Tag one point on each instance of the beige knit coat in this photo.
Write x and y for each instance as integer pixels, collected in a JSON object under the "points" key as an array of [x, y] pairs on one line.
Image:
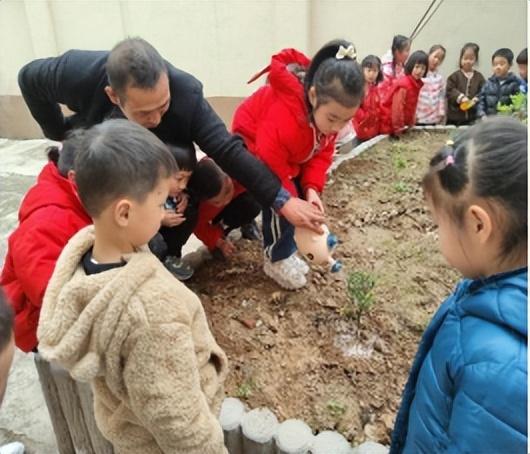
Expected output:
{"points": [[141, 338]]}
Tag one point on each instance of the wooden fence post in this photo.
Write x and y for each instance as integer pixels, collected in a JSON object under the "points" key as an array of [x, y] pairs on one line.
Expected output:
{"points": [[71, 409]]}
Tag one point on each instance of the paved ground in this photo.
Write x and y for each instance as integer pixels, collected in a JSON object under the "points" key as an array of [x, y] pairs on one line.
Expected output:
{"points": [[24, 416]]}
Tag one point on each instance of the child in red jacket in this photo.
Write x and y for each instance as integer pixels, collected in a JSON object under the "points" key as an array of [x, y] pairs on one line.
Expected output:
{"points": [[398, 108], [367, 118], [50, 214], [291, 124], [225, 205]]}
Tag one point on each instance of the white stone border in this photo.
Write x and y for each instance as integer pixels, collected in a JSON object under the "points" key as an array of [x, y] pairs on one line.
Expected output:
{"points": [[259, 432]]}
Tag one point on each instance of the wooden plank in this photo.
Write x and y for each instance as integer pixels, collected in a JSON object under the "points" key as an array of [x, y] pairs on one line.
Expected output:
{"points": [[51, 396], [100, 444], [73, 413]]}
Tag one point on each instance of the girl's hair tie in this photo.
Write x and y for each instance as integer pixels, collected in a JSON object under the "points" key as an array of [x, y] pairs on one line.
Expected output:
{"points": [[348, 52]]}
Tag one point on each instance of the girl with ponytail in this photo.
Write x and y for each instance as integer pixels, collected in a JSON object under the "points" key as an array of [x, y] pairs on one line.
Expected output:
{"points": [[291, 124]]}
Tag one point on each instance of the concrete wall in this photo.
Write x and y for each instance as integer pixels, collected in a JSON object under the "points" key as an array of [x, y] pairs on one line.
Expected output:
{"points": [[223, 42]]}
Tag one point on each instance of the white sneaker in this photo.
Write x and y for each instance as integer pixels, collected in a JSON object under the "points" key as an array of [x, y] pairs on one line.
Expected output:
{"points": [[12, 448], [285, 272], [300, 263]]}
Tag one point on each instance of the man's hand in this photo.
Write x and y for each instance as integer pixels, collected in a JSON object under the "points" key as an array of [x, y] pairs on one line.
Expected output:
{"points": [[172, 219], [314, 199], [302, 214], [226, 247]]}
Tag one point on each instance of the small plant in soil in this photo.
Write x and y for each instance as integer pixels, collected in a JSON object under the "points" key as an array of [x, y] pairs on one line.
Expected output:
{"points": [[336, 408], [401, 186], [400, 163], [244, 390], [359, 288]]}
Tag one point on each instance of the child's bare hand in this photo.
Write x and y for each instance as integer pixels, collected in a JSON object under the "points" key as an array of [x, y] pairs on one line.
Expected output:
{"points": [[226, 247], [314, 199], [183, 203], [172, 219]]}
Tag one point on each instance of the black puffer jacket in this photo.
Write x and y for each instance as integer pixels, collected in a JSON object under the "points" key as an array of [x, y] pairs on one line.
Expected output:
{"points": [[78, 79], [494, 91]]}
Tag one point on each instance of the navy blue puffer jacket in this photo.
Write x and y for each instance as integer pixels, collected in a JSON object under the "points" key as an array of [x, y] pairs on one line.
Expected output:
{"points": [[467, 389], [494, 91]]}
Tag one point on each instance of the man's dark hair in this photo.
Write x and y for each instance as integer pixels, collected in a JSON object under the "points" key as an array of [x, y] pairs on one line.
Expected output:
{"points": [[134, 62], [206, 180], [504, 53], [119, 158], [522, 58], [417, 58], [184, 155], [6, 321]]}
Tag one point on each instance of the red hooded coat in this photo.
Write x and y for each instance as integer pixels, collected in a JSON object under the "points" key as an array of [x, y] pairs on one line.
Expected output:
{"points": [[50, 214], [398, 108], [368, 116], [275, 124]]}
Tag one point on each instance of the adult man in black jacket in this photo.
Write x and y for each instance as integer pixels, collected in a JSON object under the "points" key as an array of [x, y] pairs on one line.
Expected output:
{"points": [[135, 82]]}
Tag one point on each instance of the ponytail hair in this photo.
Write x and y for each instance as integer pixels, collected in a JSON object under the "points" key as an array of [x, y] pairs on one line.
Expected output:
{"points": [[335, 77], [399, 44], [488, 161]]}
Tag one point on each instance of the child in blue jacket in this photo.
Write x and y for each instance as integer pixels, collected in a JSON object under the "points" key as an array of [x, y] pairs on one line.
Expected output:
{"points": [[467, 389]]}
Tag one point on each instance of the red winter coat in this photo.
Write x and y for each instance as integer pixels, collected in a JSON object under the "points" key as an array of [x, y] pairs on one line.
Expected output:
{"points": [[208, 233], [398, 108], [368, 116], [275, 124], [49, 216]]}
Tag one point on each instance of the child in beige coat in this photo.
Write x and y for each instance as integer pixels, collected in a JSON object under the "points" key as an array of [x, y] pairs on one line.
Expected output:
{"points": [[115, 317]]}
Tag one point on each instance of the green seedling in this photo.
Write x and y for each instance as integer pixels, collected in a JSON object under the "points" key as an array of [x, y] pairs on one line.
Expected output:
{"points": [[245, 389], [401, 186], [400, 163], [359, 289], [336, 408]]}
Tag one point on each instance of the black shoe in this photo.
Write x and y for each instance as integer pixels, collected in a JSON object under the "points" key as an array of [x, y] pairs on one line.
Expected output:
{"points": [[250, 231]]}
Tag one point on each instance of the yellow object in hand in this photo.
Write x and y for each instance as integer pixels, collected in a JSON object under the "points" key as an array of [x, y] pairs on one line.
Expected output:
{"points": [[466, 105]]}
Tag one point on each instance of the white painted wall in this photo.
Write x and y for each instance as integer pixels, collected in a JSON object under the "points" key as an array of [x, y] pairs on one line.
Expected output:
{"points": [[371, 24], [223, 42]]}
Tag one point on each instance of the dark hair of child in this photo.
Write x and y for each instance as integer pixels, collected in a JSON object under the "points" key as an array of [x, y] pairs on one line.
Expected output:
{"points": [[119, 158], [373, 62], [504, 53], [6, 321], [65, 157], [399, 44], [207, 179], [416, 58], [185, 156], [522, 58], [489, 161], [474, 47], [436, 47], [340, 80]]}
